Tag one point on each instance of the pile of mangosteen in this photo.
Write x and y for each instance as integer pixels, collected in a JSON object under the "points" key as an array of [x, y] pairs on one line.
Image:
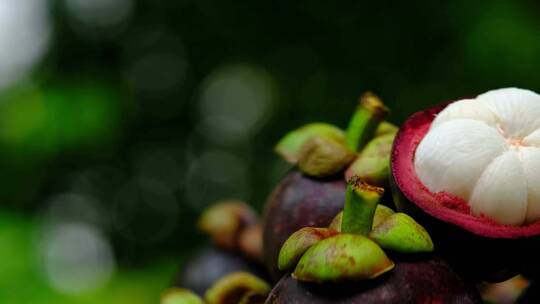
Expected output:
{"points": [[430, 212]]}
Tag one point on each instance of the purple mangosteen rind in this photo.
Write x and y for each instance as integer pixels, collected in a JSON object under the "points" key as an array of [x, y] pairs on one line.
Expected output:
{"points": [[478, 246], [423, 280]]}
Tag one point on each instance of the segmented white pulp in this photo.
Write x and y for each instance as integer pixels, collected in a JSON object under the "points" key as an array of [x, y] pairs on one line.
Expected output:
{"points": [[487, 152]]}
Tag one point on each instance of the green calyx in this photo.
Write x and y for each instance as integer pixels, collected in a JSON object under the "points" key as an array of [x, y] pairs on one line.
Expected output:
{"points": [[321, 156], [370, 112], [297, 244], [342, 257], [394, 231], [329, 254], [386, 128], [322, 150], [373, 163], [289, 146], [237, 287], [180, 296], [401, 233]]}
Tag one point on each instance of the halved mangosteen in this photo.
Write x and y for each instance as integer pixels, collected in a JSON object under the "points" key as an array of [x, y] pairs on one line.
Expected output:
{"points": [[469, 171]]}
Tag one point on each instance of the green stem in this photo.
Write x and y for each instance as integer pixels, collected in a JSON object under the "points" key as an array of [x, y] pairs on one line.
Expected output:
{"points": [[367, 116], [361, 200]]}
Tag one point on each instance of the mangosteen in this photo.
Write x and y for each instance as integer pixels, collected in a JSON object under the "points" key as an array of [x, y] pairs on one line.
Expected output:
{"points": [[367, 255], [211, 264], [314, 193], [468, 172], [423, 280]]}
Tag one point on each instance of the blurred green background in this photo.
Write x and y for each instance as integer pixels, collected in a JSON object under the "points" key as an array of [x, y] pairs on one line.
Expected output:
{"points": [[120, 120]]}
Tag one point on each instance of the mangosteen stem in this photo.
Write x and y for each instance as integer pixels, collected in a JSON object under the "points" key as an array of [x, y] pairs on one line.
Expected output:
{"points": [[370, 112], [361, 200]]}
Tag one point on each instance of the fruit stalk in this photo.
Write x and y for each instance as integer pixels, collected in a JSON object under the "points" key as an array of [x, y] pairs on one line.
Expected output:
{"points": [[365, 120], [361, 200]]}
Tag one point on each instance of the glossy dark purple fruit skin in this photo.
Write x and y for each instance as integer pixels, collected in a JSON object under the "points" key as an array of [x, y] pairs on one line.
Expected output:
{"points": [[298, 201], [211, 264], [421, 281]]}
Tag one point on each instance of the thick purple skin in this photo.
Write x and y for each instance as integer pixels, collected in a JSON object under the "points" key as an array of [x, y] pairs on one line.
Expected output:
{"points": [[298, 201], [475, 257], [209, 265], [426, 281]]}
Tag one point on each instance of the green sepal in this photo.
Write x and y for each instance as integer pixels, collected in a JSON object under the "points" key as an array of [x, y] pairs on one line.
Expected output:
{"points": [[290, 145], [298, 243], [386, 127], [234, 287], [342, 257], [381, 214], [373, 163], [321, 156], [401, 233]]}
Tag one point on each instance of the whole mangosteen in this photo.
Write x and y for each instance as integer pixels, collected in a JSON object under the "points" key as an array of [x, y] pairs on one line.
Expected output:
{"points": [[313, 194], [367, 255]]}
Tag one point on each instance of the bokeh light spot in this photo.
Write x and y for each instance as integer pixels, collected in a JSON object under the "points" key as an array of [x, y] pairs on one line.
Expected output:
{"points": [[161, 165], [99, 17], [145, 211], [25, 31], [77, 258], [158, 72], [216, 175], [235, 102]]}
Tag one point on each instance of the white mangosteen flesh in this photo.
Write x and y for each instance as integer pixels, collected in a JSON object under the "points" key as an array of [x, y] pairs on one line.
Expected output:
{"points": [[486, 151]]}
